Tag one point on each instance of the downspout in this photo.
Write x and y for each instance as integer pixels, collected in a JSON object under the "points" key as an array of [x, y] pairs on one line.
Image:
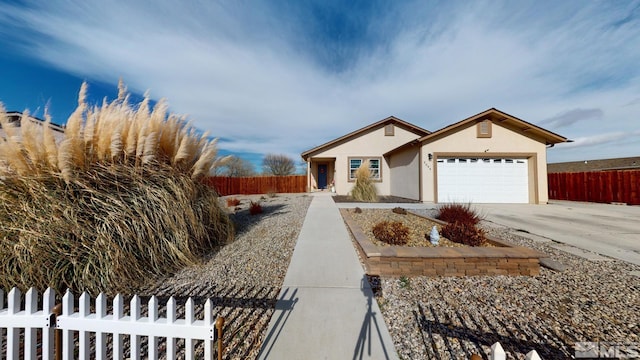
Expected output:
{"points": [[309, 174], [420, 173]]}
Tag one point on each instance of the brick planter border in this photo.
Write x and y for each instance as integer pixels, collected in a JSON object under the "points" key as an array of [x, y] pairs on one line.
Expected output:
{"points": [[504, 259]]}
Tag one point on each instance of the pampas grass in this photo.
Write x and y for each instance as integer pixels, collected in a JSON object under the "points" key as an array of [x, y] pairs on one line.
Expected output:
{"points": [[117, 201], [364, 188]]}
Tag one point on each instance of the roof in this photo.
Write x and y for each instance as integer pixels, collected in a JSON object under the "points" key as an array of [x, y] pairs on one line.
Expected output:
{"points": [[389, 120], [500, 117], [626, 163], [16, 117]]}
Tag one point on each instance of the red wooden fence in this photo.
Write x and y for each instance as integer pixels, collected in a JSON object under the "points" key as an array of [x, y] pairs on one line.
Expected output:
{"points": [[621, 186], [258, 184]]}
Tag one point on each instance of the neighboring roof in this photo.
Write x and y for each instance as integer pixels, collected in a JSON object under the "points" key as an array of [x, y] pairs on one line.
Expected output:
{"points": [[502, 118], [390, 120], [627, 163], [16, 116]]}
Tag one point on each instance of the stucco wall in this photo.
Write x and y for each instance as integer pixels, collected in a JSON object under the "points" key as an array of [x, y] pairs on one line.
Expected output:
{"points": [[405, 174], [372, 143], [502, 142]]}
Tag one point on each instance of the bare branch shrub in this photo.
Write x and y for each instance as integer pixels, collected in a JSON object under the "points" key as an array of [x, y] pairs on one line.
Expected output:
{"points": [[278, 164]]}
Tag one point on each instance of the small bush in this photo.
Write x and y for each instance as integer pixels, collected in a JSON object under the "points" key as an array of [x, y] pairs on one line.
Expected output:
{"points": [[463, 233], [357, 210], [461, 213], [231, 202], [391, 232], [364, 188], [399, 210], [272, 193], [255, 208], [405, 283]]}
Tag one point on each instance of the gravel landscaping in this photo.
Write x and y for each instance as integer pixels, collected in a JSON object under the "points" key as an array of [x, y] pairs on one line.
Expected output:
{"points": [[453, 317], [428, 318], [418, 227], [243, 278]]}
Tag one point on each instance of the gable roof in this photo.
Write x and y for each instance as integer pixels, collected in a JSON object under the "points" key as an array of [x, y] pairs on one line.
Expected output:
{"points": [[500, 117], [389, 120], [16, 118]]}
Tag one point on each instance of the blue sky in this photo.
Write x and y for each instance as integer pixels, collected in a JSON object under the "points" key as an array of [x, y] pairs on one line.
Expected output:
{"points": [[285, 76]]}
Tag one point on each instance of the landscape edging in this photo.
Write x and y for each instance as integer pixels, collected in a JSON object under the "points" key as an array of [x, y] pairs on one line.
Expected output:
{"points": [[504, 259]]}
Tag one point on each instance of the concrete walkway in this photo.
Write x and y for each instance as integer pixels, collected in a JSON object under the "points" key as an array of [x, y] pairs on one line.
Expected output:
{"points": [[326, 308]]}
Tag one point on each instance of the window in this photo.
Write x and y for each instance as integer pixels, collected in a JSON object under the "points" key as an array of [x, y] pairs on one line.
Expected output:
{"points": [[388, 130], [374, 167], [354, 164], [484, 129]]}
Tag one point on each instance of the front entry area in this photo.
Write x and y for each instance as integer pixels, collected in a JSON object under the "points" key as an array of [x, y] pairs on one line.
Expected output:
{"points": [[320, 173], [322, 176], [479, 180]]}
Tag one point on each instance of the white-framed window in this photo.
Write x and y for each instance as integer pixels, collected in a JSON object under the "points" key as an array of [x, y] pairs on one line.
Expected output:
{"points": [[374, 167], [354, 164]]}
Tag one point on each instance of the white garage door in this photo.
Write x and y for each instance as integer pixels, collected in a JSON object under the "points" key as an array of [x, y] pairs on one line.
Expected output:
{"points": [[483, 180]]}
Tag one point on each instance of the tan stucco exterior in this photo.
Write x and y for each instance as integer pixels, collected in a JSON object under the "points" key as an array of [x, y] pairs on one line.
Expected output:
{"points": [[370, 143], [405, 172], [503, 143], [408, 161]]}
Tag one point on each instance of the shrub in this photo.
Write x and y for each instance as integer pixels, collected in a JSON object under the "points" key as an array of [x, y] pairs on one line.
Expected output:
{"points": [[391, 232], [399, 210], [357, 210], [255, 208], [364, 189], [405, 283], [118, 200], [231, 202], [463, 233], [462, 213]]}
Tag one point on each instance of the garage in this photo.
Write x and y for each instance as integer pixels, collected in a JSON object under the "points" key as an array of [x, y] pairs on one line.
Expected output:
{"points": [[483, 180]]}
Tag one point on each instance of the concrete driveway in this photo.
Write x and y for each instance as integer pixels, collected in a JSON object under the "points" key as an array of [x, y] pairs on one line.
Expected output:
{"points": [[609, 230]]}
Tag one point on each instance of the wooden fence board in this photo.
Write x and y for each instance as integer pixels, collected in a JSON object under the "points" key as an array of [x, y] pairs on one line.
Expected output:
{"points": [[258, 184], [621, 186]]}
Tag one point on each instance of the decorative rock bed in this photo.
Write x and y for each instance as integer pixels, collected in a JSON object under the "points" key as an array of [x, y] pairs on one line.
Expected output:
{"points": [[501, 259]]}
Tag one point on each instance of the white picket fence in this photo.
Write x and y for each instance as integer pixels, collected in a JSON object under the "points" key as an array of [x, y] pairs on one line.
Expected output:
{"points": [[40, 324], [498, 353]]}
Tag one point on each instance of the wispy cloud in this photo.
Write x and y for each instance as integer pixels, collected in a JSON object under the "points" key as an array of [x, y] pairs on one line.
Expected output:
{"points": [[572, 116], [287, 77], [633, 102], [602, 139]]}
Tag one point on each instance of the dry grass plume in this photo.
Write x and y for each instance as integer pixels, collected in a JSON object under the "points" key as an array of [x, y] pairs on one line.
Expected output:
{"points": [[364, 189], [117, 200]]}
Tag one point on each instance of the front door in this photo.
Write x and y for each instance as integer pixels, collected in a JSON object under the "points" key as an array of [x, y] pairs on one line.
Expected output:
{"points": [[322, 176]]}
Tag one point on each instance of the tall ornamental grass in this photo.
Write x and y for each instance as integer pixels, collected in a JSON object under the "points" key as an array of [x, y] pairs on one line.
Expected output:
{"points": [[364, 189], [118, 200]]}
